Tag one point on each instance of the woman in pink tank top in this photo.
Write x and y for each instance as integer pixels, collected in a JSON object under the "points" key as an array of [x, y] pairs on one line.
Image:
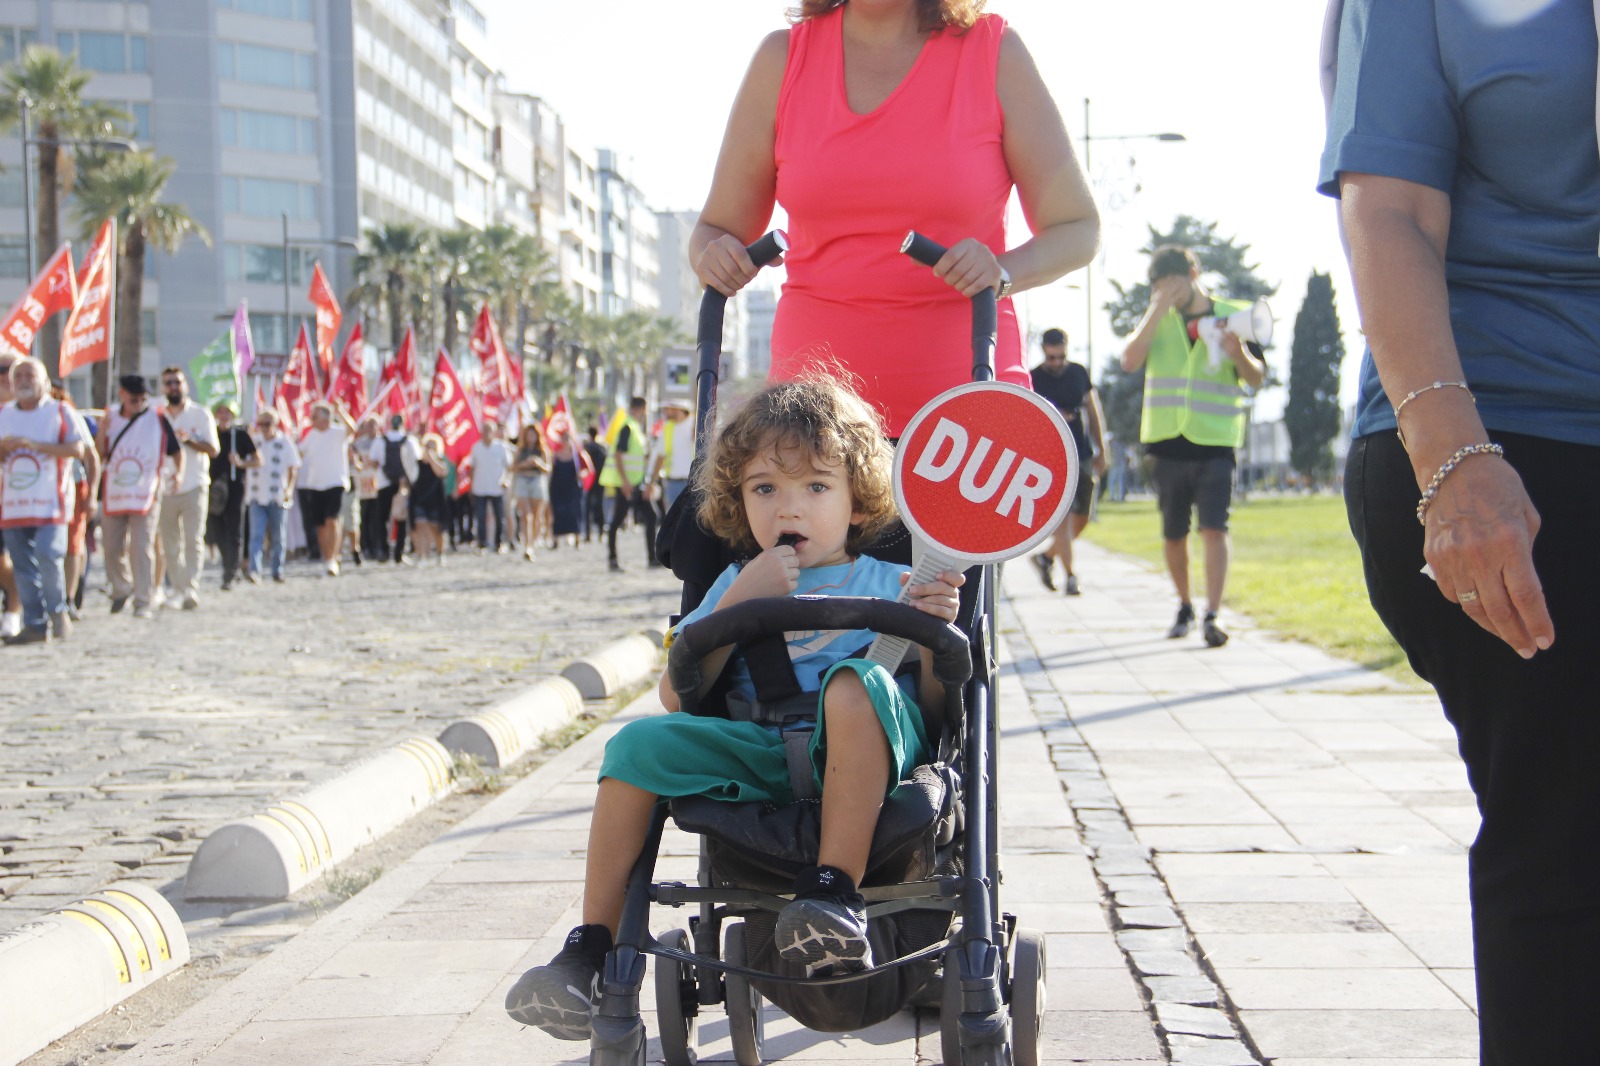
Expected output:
{"points": [[869, 118]]}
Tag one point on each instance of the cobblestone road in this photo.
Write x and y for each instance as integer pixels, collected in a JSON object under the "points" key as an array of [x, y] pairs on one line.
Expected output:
{"points": [[122, 749]]}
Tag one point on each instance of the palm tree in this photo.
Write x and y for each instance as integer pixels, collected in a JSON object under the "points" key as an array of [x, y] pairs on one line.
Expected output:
{"points": [[129, 188], [455, 252], [391, 271], [520, 272], [53, 85]]}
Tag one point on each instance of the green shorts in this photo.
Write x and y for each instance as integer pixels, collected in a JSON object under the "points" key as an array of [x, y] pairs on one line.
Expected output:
{"points": [[740, 762]]}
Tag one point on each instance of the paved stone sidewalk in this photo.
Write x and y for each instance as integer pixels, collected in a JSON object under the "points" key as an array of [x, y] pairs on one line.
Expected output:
{"points": [[415, 969], [1306, 821], [121, 749]]}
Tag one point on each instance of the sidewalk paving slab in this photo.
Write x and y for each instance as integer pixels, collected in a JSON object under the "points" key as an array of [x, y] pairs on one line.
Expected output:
{"points": [[1282, 833]]}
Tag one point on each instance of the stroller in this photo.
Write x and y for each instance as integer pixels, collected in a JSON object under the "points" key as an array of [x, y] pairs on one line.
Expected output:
{"points": [[932, 882]]}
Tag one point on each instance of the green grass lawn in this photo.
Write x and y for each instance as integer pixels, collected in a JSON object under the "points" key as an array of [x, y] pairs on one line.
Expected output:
{"points": [[1295, 570]]}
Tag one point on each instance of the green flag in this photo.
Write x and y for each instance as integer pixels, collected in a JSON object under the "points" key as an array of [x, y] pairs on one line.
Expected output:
{"points": [[215, 373]]}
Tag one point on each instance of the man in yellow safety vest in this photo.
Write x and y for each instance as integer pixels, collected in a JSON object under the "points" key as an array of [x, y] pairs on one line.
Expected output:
{"points": [[625, 474], [1196, 376]]}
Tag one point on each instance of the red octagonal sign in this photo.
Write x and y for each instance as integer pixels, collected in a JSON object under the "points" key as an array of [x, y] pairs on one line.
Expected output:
{"points": [[985, 471]]}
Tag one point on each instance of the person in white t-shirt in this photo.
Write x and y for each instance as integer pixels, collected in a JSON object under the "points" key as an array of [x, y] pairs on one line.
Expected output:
{"points": [[268, 488], [183, 507], [39, 438], [491, 471], [325, 478]]}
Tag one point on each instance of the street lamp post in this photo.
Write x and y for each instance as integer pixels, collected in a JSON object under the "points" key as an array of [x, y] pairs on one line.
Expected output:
{"points": [[1088, 270], [288, 307], [24, 114]]}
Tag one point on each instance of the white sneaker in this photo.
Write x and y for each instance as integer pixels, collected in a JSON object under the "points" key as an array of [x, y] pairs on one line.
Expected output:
{"points": [[10, 623], [333, 568]]}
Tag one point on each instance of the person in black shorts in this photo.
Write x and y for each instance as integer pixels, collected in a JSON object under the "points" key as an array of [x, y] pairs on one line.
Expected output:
{"points": [[1196, 376], [1067, 386]]}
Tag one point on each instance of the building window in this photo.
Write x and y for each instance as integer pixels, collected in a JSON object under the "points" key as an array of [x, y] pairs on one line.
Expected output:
{"points": [[264, 263], [260, 65], [269, 198], [267, 333], [107, 53], [13, 257], [298, 10], [147, 327], [267, 131]]}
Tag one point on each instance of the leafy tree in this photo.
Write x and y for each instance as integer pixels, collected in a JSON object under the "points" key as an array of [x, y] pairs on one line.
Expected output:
{"points": [[129, 188], [53, 85], [1121, 399], [1223, 268], [1312, 413]]}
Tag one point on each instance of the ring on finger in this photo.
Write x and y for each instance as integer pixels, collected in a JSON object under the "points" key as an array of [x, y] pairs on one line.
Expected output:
{"points": [[1469, 596]]}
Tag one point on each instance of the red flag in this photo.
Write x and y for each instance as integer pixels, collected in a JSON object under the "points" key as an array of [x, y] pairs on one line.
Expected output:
{"points": [[348, 385], [560, 425], [501, 379], [329, 315], [297, 389], [55, 289], [449, 414], [402, 370], [87, 336]]}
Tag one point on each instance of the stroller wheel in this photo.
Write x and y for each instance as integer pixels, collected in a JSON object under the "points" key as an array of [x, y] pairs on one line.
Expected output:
{"points": [[676, 1002], [1027, 995], [743, 1001]]}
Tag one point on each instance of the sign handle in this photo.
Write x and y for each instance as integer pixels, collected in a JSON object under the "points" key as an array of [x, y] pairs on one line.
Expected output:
{"points": [[888, 651]]}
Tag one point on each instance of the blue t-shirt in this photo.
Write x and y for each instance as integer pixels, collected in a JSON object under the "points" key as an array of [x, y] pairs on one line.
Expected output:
{"points": [[812, 652], [1498, 111]]}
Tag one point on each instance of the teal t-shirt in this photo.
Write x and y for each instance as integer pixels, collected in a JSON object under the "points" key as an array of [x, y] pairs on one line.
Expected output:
{"points": [[812, 652]]}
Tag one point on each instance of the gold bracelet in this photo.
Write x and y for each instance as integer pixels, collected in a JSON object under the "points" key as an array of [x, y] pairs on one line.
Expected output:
{"points": [[1414, 393], [1444, 471]]}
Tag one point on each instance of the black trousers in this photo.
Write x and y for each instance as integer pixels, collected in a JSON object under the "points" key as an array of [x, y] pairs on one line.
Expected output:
{"points": [[374, 531], [226, 530], [594, 511], [1529, 732], [643, 512], [385, 502]]}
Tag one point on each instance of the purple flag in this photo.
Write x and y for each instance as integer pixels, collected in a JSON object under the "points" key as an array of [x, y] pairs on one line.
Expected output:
{"points": [[243, 350]]}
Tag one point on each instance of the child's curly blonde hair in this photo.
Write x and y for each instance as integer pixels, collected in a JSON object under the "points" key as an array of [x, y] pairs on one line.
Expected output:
{"points": [[814, 416]]}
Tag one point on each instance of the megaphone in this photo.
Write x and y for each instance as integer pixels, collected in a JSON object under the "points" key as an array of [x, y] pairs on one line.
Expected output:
{"points": [[1254, 323]]}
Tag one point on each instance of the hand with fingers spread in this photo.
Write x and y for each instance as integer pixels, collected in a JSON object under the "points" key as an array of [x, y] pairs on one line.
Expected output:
{"points": [[1479, 545]]}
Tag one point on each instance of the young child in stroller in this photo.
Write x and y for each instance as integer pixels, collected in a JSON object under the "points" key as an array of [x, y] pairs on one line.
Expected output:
{"points": [[797, 479]]}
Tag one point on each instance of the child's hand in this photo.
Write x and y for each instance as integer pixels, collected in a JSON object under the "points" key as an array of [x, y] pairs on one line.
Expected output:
{"points": [[775, 572], [938, 598]]}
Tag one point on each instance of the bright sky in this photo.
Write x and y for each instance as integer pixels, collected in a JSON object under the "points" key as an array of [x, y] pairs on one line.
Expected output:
{"points": [[654, 82]]}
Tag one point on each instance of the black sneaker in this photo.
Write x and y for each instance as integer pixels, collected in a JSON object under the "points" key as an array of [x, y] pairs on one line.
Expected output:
{"points": [[559, 996], [826, 925], [1215, 637], [614, 566], [1180, 627], [1045, 564], [1072, 585], [118, 603]]}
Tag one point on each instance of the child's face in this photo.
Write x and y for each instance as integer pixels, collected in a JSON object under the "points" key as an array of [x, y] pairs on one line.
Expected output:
{"points": [[795, 492]]}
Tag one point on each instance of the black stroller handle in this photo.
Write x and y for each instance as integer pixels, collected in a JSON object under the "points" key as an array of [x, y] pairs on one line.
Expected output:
{"points": [[708, 335], [752, 619], [985, 307]]}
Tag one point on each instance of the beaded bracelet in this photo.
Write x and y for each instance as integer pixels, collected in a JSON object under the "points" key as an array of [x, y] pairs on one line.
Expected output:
{"points": [[1444, 472], [1414, 393]]}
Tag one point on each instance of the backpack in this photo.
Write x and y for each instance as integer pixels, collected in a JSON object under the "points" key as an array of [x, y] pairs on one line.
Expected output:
{"points": [[393, 468]]}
